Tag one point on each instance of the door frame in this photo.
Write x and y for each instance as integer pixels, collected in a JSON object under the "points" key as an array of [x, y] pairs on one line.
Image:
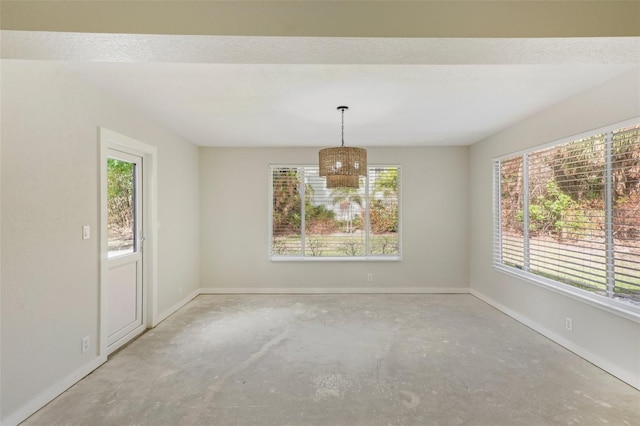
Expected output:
{"points": [[149, 154]]}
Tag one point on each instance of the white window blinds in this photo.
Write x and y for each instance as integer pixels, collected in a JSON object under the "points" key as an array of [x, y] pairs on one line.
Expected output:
{"points": [[570, 213], [309, 221], [625, 215]]}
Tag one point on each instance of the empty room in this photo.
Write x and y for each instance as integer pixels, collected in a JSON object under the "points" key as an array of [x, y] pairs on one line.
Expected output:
{"points": [[320, 212]]}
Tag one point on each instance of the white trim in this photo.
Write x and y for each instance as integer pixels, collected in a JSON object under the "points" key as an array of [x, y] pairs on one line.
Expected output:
{"points": [[52, 392], [112, 140], [334, 290], [624, 375], [174, 308], [627, 312], [129, 337], [526, 219], [104, 252], [302, 258], [312, 290], [284, 258]]}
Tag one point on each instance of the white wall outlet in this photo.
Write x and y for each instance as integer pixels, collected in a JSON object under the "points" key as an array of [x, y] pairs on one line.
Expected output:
{"points": [[568, 324], [369, 277], [86, 343], [86, 232]]}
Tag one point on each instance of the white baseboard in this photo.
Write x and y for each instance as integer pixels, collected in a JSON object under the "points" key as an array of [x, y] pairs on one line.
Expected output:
{"points": [[607, 366], [55, 390], [172, 309], [332, 290], [52, 392]]}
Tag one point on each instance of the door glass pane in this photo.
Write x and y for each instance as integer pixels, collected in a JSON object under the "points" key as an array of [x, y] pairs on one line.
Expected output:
{"points": [[121, 224]]}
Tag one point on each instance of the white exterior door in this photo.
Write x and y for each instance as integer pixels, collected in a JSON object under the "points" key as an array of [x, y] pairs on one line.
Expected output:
{"points": [[125, 243]]}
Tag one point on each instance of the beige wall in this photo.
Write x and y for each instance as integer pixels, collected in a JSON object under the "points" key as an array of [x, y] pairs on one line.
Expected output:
{"points": [[475, 18], [234, 187], [608, 340], [50, 188]]}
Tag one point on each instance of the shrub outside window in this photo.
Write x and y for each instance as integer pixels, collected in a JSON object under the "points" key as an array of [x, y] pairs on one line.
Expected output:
{"points": [[309, 221]]}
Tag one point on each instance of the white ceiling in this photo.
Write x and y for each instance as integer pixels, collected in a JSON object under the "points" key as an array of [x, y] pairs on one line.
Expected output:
{"points": [[283, 91]]}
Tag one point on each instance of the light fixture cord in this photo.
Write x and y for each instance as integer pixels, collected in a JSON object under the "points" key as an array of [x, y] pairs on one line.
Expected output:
{"points": [[342, 109]]}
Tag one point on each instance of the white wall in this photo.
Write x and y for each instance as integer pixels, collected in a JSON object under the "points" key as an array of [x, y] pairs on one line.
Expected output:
{"points": [[234, 188], [50, 188], [608, 340]]}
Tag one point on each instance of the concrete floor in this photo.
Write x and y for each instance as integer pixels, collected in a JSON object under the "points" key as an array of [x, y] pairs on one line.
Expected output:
{"points": [[343, 360]]}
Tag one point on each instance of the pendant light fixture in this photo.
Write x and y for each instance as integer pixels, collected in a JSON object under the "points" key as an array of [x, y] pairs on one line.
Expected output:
{"points": [[343, 166]]}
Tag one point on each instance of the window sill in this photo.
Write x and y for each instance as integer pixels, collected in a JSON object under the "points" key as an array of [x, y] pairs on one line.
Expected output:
{"points": [[335, 259], [622, 309]]}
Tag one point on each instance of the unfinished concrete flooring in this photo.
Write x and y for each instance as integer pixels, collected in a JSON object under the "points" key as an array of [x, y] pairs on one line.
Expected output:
{"points": [[343, 360]]}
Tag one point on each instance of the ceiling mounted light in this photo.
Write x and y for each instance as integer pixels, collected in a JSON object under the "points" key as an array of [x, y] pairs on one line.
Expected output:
{"points": [[343, 165]]}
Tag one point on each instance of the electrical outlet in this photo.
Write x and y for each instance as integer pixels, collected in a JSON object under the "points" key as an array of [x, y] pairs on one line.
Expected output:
{"points": [[568, 324], [86, 232], [370, 277], [86, 343]]}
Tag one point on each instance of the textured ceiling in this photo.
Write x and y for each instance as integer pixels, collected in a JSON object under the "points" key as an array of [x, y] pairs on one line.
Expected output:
{"points": [[283, 91]]}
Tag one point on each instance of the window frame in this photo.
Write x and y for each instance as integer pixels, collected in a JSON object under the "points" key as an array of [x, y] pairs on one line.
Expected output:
{"points": [[626, 310], [303, 258]]}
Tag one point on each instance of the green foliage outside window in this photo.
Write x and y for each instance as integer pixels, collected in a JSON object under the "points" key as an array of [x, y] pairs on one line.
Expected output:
{"points": [[120, 196]]}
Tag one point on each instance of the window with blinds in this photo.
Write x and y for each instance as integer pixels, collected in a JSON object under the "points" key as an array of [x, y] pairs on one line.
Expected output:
{"points": [[310, 221], [570, 213]]}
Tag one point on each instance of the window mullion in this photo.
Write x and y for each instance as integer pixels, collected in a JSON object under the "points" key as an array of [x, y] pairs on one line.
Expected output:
{"points": [[367, 226], [609, 243], [271, 207], [302, 210], [525, 213]]}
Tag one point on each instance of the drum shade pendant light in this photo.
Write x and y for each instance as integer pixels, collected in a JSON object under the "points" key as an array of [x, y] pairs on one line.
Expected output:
{"points": [[343, 166]]}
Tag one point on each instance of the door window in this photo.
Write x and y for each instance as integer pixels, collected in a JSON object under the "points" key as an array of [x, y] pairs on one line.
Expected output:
{"points": [[121, 207]]}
